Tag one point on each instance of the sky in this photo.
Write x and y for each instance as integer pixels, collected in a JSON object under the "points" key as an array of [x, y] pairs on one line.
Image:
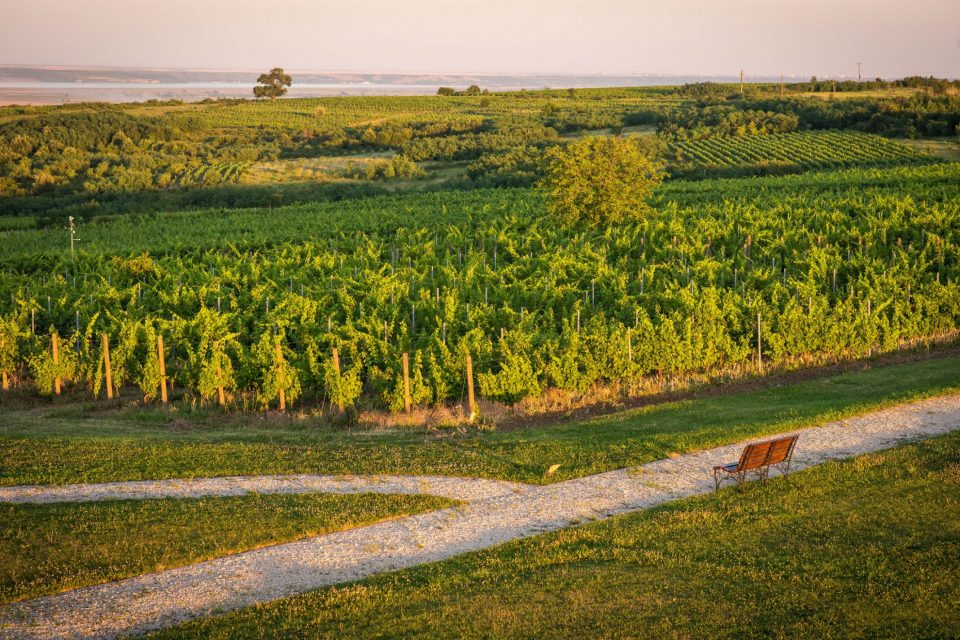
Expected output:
{"points": [[796, 38]]}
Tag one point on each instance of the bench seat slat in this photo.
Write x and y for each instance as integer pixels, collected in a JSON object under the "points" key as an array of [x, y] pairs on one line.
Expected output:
{"points": [[727, 467]]}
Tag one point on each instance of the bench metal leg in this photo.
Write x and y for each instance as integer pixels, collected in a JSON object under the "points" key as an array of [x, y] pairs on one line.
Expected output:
{"points": [[784, 467]]}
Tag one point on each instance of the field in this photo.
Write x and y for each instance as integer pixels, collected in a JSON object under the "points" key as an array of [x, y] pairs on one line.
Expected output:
{"points": [[324, 286], [92, 160], [794, 152], [537, 306], [947, 149], [53, 548], [865, 547]]}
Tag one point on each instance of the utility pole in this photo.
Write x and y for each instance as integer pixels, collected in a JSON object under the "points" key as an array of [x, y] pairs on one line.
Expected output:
{"points": [[859, 75], [741, 81]]}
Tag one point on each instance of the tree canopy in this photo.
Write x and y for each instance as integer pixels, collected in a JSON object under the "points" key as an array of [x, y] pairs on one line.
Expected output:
{"points": [[599, 180], [273, 84]]}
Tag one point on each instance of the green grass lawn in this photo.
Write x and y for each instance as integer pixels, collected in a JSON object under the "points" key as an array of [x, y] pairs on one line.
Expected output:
{"points": [[865, 548], [84, 443], [53, 547], [945, 148]]}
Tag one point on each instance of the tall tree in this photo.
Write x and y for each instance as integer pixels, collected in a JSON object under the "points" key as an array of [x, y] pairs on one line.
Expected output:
{"points": [[599, 180], [272, 85]]}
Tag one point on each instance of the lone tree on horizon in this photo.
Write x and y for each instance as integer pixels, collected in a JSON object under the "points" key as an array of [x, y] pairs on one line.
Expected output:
{"points": [[272, 85]]}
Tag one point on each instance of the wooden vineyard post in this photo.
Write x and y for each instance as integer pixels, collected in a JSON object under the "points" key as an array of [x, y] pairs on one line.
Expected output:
{"points": [[759, 351], [163, 369], [221, 397], [55, 345], [336, 367], [283, 393], [471, 402], [6, 380], [406, 382], [107, 370]]}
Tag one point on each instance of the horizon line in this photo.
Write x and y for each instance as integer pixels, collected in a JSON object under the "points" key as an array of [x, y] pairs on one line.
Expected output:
{"points": [[292, 70]]}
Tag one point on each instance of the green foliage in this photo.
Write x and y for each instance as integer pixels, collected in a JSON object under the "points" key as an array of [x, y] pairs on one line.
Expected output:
{"points": [[787, 153], [343, 387], [208, 343], [12, 334], [574, 367], [519, 167], [701, 121], [390, 134], [274, 375], [45, 371], [133, 355], [516, 378], [399, 166], [599, 180], [144, 360], [272, 84], [90, 365], [86, 160], [420, 392], [838, 264]]}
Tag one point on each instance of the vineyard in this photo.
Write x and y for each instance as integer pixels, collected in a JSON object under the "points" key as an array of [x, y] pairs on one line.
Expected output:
{"points": [[792, 152], [320, 302], [414, 111], [116, 159], [213, 174]]}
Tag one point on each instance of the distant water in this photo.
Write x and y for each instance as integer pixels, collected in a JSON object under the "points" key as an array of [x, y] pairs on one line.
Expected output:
{"points": [[24, 91], [66, 92]]}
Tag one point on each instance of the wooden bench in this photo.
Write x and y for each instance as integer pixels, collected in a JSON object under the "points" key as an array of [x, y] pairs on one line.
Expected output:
{"points": [[757, 458]]}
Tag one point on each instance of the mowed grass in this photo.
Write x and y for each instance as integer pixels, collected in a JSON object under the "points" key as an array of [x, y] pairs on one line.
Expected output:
{"points": [[84, 443], [48, 548], [865, 548], [323, 168], [945, 148]]}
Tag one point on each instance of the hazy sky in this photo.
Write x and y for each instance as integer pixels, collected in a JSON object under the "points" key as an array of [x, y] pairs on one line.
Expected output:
{"points": [[703, 37]]}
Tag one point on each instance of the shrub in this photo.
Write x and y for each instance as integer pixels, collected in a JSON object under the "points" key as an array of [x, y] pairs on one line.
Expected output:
{"points": [[599, 180]]}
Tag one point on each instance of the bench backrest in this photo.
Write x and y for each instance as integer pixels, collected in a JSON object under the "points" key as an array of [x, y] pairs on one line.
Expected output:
{"points": [[761, 454]]}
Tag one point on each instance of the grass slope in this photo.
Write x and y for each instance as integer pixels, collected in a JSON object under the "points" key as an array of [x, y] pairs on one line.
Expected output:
{"points": [[866, 548], [83, 443], [54, 547]]}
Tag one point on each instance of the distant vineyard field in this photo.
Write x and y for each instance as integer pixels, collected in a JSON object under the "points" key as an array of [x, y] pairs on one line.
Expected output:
{"points": [[213, 174], [791, 152]]}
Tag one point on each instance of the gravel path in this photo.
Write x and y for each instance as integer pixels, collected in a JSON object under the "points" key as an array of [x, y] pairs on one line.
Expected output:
{"points": [[161, 599], [463, 489]]}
